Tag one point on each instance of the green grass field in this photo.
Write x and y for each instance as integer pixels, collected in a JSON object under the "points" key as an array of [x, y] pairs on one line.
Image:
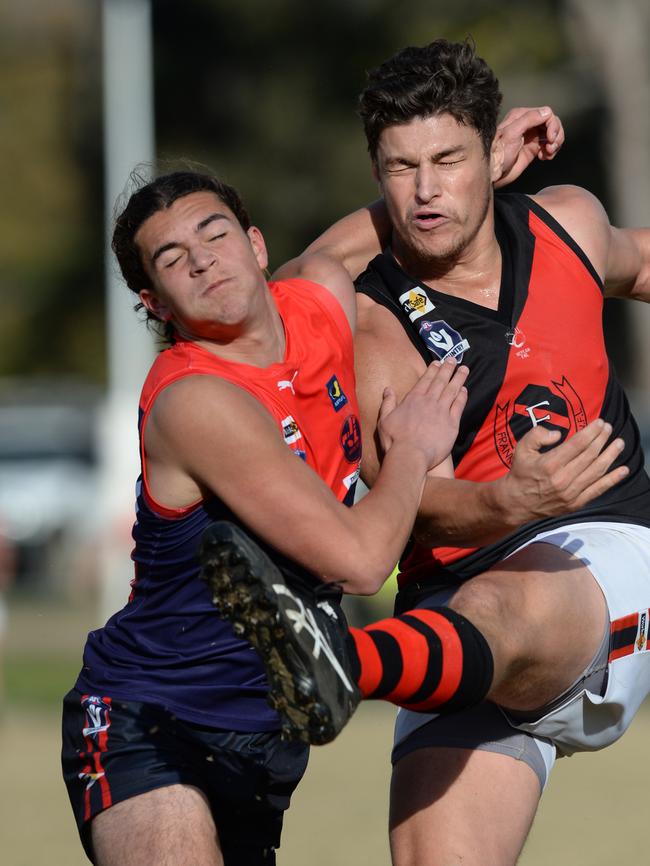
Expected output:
{"points": [[593, 812]]}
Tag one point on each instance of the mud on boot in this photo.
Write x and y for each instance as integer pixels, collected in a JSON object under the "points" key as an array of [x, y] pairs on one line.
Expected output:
{"points": [[298, 629]]}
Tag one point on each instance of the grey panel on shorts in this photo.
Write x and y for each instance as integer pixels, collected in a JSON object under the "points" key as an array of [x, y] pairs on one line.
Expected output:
{"points": [[481, 727]]}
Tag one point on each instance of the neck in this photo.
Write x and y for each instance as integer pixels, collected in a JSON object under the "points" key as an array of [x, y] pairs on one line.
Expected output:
{"points": [[473, 272], [258, 339]]}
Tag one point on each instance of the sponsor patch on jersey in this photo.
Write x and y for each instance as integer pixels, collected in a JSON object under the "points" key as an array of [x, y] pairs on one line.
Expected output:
{"points": [[416, 303], [335, 393], [442, 340], [557, 407], [349, 480], [290, 430], [302, 454], [351, 439]]}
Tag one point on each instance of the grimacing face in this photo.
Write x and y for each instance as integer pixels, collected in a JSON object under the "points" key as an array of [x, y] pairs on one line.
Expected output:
{"points": [[205, 270], [437, 184]]}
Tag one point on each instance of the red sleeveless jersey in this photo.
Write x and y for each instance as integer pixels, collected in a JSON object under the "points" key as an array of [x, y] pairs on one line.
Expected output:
{"points": [[538, 359], [167, 646]]}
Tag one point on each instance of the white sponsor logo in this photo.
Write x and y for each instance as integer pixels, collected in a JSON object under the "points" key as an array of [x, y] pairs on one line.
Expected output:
{"points": [[350, 479], [304, 619], [285, 384], [290, 430]]}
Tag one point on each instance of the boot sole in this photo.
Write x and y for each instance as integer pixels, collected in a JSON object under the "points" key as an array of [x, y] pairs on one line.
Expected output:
{"points": [[240, 595]]}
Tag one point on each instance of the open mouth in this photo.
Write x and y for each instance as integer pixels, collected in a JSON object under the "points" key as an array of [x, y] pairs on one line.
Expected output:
{"points": [[429, 220]]}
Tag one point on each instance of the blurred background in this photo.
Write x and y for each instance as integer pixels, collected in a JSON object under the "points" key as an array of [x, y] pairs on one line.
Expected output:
{"points": [[264, 93]]}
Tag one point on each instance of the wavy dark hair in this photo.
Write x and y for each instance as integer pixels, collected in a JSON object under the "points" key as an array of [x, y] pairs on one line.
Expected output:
{"points": [[149, 197], [440, 78]]}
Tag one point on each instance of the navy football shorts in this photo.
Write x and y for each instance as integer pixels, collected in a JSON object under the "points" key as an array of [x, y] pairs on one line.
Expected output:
{"points": [[114, 749]]}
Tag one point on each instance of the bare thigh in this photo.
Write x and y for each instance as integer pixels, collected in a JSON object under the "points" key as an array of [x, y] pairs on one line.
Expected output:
{"points": [[543, 615], [444, 811], [170, 826]]}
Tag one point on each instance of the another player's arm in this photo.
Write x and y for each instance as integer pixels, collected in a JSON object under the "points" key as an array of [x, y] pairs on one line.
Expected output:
{"points": [[465, 513], [206, 436]]}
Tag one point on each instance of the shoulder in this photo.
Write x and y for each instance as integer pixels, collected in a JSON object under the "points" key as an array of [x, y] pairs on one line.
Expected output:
{"points": [[384, 351], [198, 401], [583, 217], [326, 271]]}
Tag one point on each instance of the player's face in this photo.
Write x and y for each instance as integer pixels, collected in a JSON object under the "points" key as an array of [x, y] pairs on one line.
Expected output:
{"points": [[206, 271], [437, 185]]}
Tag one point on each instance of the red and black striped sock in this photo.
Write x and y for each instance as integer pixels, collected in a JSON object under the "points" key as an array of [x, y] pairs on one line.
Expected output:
{"points": [[423, 660]]}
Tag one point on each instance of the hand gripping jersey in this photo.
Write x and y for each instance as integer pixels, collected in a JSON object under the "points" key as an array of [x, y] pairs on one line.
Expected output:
{"points": [[167, 646], [538, 359]]}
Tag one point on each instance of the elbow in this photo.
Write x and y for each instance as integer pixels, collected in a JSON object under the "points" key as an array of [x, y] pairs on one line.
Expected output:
{"points": [[367, 579]]}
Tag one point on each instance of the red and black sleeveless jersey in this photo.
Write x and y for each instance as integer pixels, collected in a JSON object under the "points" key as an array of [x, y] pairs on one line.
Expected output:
{"points": [[538, 359], [167, 646]]}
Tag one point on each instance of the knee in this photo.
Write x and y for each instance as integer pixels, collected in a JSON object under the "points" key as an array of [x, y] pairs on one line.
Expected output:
{"points": [[498, 613]]}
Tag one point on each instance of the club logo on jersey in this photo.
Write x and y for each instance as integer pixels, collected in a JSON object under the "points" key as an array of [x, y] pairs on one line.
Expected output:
{"points": [[351, 439], [290, 430], [98, 717], [558, 407], [416, 303], [335, 393], [442, 340]]}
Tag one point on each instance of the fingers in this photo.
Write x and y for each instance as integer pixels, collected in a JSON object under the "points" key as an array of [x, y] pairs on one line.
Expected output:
{"points": [[581, 465], [438, 378], [388, 403], [541, 124], [540, 437]]}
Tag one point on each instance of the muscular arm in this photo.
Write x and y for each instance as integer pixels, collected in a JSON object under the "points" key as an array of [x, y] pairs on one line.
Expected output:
{"points": [[464, 513], [206, 436], [620, 256]]}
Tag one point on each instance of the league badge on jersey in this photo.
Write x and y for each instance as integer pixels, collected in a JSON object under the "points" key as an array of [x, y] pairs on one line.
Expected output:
{"points": [[416, 303], [335, 393], [442, 340], [557, 407], [351, 439], [290, 430]]}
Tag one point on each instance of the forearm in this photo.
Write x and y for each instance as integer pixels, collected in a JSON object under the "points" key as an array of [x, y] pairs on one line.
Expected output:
{"points": [[380, 524], [460, 513]]}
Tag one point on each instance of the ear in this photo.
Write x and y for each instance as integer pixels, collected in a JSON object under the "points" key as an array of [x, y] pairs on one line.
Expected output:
{"points": [[497, 155], [259, 246], [155, 306]]}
